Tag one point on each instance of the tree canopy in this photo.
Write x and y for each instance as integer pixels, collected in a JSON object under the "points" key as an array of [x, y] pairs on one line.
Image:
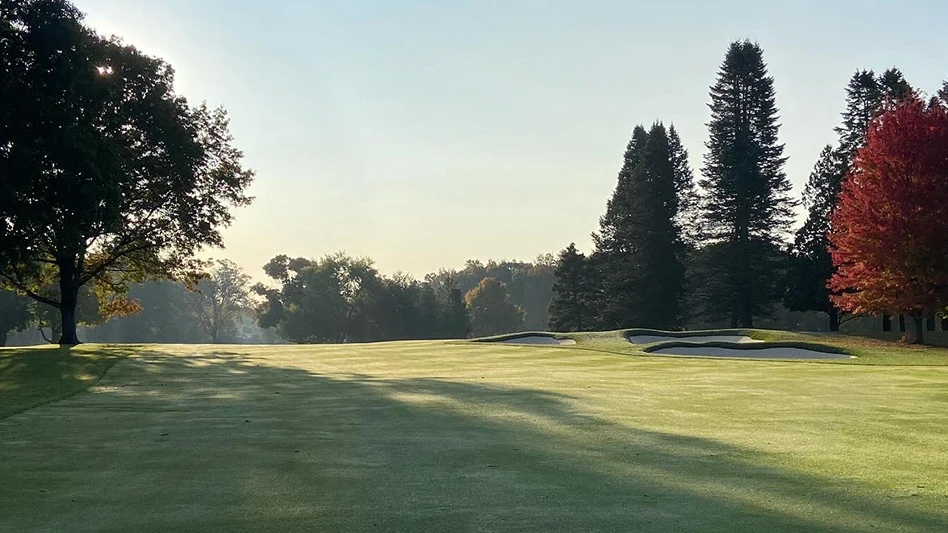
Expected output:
{"points": [[491, 311], [109, 176], [888, 233]]}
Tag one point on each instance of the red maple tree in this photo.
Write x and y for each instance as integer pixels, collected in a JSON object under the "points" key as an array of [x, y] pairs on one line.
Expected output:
{"points": [[889, 237]]}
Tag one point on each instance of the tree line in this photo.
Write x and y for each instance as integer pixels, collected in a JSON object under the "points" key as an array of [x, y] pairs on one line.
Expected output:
{"points": [[335, 299], [669, 254]]}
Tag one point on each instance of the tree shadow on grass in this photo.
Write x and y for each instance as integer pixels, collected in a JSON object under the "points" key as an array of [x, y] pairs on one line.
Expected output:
{"points": [[218, 442]]}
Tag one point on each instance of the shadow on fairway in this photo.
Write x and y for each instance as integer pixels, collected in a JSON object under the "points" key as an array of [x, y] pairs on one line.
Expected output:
{"points": [[226, 443]]}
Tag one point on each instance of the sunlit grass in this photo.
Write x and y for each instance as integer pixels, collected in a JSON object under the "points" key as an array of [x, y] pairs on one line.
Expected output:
{"points": [[460, 436]]}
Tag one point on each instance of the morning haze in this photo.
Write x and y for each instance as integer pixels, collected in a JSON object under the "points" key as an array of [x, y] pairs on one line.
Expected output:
{"points": [[423, 134]]}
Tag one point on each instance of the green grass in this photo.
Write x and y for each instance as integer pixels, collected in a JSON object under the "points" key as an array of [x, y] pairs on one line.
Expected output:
{"points": [[460, 436], [30, 377]]}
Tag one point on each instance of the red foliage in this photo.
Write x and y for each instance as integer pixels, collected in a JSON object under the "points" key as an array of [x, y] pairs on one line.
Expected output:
{"points": [[889, 237]]}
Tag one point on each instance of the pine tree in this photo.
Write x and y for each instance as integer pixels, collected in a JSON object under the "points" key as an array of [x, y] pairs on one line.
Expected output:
{"points": [[863, 98], [612, 246], [810, 264], [893, 85], [746, 208], [640, 245], [685, 192], [943, 92], [573, 305]]}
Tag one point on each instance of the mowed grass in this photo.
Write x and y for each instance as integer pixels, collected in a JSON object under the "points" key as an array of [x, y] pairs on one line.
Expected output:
{"points": [[459, 436]]}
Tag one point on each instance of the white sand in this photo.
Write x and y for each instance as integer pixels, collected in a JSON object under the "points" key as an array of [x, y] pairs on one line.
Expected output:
{"points": [[648, 339], [755, 353], [539, 339]]}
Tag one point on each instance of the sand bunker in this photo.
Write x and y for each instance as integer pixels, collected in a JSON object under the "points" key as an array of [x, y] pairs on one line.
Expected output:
{"points": [[539, 339], [754, 353], [649, 339]]}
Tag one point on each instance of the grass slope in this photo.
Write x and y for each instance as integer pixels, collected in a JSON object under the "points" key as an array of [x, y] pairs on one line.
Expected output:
{"points": [[442, 436]]}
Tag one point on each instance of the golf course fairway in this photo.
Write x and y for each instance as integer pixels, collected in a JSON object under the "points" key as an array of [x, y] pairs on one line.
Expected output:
{"points": [[459, 436]]}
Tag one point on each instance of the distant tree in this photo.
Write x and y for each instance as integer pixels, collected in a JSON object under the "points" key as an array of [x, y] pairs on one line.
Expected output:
{"points": [[166, 316], [220, 299], [574, 294], [888, 233], [309, 307], [811, 265], [746, 208], [943, 92], [14, 314], [454, 318], [530, 285], [109, 177], [491, 311]]}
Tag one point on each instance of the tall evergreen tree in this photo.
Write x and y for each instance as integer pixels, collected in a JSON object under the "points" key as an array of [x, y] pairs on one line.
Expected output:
{"points": [[640, 244], [894, 86], [863, 98], [943, 92], [573, 306], [746, 207], [810, 262], [686, 194]]}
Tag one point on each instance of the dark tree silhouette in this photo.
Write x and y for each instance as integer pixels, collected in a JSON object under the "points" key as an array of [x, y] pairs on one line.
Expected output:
{"points": [[573, 307], [109, 176], [746, 209]]}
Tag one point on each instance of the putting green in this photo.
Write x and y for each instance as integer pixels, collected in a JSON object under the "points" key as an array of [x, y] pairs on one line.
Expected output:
{"points": [[457, 436]]}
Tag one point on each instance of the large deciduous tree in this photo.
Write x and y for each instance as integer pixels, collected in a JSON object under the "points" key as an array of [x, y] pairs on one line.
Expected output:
{"points": [[888, 232], [746, 208], [106, 175]]}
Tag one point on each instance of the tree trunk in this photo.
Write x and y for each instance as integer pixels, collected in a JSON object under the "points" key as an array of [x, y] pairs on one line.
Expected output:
{"points": [[834, 319], [886, 322], [3, 338], [919, 330], [902, 322], [69, 299]]}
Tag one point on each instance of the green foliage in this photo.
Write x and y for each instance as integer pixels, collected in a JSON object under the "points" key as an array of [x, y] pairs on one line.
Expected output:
{"points": [[491, 311], [530, 284], [109, 176], [220, 299], [746, 208], [810, 265], [344, 299], [575, 293], [14, 314], [639, 249]]}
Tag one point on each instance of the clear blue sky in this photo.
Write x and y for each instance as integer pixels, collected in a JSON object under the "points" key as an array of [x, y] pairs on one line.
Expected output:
{"points": [[424, 133]]}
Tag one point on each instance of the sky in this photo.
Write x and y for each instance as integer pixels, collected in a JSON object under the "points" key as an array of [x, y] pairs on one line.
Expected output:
{"points": [[425, 133]]}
